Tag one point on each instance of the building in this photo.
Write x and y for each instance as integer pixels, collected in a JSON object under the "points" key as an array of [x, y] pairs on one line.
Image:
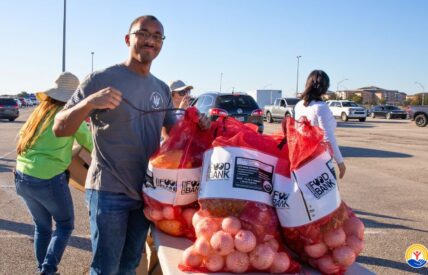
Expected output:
{"points": [[416, 98], [330, 95], [265, 97], [373, 95]]}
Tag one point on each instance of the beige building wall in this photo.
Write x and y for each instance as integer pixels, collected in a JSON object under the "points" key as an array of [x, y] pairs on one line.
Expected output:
{"points": [[373, 95]]}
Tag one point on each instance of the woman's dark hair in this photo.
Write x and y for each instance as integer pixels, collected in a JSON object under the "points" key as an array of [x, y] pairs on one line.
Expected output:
{"points": [[316, 85]]}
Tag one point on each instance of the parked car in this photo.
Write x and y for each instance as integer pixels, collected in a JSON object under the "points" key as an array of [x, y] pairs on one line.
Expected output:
{"points": [[29, 101], [346, 109], [24, 102], [8, 108], [419, 114], [33, 99], [238, 105], [282, 107], [388, 112], [18, 102]]}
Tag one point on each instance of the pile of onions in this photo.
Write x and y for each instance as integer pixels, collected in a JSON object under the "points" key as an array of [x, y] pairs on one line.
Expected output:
{"points": [[222, 244], [338, 248]]}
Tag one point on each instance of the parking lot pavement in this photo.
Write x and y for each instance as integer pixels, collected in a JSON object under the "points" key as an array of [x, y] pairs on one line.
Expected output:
{"points": [[16, 228], [386, 185]]}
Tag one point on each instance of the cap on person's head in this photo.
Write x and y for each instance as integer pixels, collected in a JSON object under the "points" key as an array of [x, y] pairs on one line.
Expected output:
{"points": [[178, 85], [66, 84]]}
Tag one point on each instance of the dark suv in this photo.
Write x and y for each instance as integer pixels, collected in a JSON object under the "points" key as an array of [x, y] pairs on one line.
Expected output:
{"points": [[240, 106], [8, 108]]}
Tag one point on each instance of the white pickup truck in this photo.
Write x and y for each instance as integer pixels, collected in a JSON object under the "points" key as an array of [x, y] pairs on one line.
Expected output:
{"points": [[281, 108], [346, 109]]}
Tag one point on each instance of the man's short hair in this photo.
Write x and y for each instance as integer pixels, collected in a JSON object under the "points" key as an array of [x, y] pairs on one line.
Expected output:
{"points": [[136, 20]]}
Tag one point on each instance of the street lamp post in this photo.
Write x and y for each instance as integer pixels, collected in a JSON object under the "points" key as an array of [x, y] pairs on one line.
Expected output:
{"points": [[63, 37], [338, 83], [423, 92], [297, 81], [92, 64]]}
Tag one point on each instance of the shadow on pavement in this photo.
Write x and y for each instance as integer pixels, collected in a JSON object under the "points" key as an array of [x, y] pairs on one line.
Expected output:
{"points": [[392, 121], [8, 160], [351, 124], [359, 212], [357, 152], [390, 264], [27, 229], [6, 168], [375, 224], [13, 122]]}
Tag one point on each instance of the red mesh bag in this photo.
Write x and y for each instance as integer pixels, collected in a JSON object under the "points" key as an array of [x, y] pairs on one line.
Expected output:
{"points": [[317, 225], [236, 227], [173, 177]]}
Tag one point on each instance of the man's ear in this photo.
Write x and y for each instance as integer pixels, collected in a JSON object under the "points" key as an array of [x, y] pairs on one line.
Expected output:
{"points": [[127, 40]]}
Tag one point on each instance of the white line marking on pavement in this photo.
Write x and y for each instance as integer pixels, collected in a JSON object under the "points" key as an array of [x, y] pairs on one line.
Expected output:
{"points": [[14, 236], [5, 155], [371, 231]]}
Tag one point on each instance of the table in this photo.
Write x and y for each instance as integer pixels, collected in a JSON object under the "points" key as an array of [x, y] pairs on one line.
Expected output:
{"points": [[169, 250]]}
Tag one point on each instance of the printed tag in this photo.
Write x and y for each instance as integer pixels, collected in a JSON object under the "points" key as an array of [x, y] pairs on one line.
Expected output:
{"points": [[311, 195], [237, 173], [172, 186]]}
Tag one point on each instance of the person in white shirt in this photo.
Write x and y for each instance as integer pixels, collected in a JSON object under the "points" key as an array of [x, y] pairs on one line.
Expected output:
{"points": [[318, 113]]}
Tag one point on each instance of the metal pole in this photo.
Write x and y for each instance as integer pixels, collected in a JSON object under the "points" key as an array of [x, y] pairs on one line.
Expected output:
{"points": [[221, 79], [92, 67], [63, 37], [338, 83], [423, 91], [297, 81]]}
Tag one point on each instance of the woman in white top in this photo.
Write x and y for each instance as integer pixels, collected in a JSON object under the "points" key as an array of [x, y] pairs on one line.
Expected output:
{"points": [[318, 113]]}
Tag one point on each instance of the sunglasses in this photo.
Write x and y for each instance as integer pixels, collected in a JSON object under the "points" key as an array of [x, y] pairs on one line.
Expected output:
{"points": [[183, 92]]}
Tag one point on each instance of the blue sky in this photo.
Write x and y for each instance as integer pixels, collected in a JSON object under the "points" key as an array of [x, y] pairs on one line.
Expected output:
{"points": [[253, 43]]}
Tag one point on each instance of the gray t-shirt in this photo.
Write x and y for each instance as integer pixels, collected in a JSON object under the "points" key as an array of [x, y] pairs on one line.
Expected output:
{"points": [[124, 138]]}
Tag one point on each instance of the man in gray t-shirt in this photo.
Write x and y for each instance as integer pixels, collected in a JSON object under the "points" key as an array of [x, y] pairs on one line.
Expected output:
{"points": [[124, 137], [125, 103]]}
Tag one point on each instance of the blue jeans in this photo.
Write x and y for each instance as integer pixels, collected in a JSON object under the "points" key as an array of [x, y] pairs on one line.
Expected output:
{"points": [[47, 199], [118, 232]]}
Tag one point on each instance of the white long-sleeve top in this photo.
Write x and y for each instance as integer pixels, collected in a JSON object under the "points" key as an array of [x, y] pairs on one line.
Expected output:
{"points": [[319, 114]]}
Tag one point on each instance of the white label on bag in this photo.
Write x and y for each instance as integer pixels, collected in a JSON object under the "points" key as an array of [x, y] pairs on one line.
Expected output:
{"points": [[312, 195], [237, 173], [172, 186]]}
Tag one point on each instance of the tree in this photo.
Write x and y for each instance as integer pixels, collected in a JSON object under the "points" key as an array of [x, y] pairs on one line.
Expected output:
{"points": [[357, 99], [382, 101], [23, 94], [407, 102]]}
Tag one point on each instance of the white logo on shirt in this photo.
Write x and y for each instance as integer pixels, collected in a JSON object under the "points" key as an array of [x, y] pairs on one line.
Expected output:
{"points": [[155, 100]]}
